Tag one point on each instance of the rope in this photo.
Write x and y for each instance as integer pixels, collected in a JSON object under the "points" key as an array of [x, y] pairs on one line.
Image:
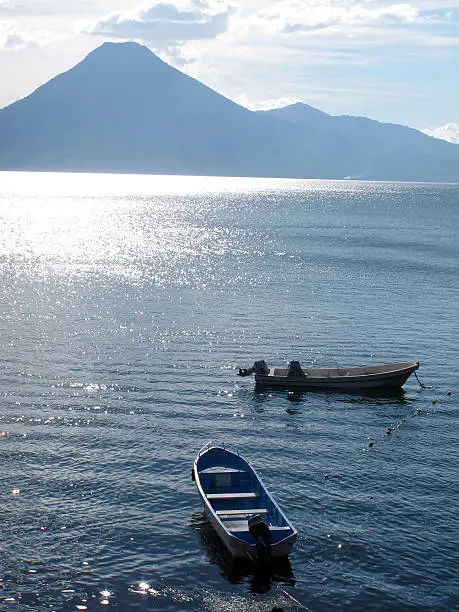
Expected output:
{"points": [[422, 385], [293, 599]]}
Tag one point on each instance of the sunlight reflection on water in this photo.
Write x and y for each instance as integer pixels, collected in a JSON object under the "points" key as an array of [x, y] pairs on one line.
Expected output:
{"points": [[102, 229]]}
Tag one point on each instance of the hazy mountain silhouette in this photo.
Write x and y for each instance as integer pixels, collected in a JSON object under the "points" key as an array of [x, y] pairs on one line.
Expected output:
{"points": [[122, 109], [381, 150]]}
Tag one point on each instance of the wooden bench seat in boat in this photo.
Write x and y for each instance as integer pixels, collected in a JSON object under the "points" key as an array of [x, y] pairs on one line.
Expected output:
{"points": [[241, 526], [224, 479], [241, 512], [231, 495], [221, 470]]}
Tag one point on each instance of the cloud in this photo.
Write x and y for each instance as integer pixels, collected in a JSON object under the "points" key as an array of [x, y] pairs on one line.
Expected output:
{"points": [[45, 7], [163, 25], [449, 132], [266, 104], [300, 16], [14, 38]]}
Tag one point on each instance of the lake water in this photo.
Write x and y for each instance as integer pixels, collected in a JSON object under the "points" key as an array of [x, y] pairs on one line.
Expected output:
{"points": [[127, 304]]}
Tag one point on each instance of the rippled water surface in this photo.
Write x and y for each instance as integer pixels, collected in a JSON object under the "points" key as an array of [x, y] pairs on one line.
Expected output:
{"points": [[127, 303]]}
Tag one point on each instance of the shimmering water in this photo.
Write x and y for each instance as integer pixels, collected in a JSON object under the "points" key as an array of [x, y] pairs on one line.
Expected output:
{"points": [[127, 303]]}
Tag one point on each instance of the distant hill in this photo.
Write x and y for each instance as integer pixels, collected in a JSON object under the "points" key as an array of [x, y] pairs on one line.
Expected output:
{"points": [[384, 151], [122, 109]]}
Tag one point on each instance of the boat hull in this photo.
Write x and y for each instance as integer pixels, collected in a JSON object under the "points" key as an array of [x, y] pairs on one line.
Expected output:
{"points": [[233, 495], [340, 379]]}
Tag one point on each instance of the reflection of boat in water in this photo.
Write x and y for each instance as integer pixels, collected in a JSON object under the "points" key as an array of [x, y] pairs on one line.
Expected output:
{"points": [[242, 511], [366, 378], [260, 578], [298, 396]]}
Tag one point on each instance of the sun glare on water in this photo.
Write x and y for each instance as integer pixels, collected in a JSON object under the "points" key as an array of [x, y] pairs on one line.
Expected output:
{"points": [[139, 228]]}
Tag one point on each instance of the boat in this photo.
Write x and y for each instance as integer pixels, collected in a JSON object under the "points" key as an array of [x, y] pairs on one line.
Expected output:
{"points": [[389, 376], [239, 507]]}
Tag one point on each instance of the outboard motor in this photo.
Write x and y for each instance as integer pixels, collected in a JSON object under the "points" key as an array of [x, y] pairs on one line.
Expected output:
{"points": [[295, 369], [258, 527], [259, 367]]}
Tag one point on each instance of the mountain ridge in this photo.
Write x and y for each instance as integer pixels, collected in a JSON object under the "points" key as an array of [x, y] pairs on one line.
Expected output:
{"points": [[123, 109]]}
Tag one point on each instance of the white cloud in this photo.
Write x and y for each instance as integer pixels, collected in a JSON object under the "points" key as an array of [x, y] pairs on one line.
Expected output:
{"points": [[295, 16], [266, 104], [46, 7], [163, 25], [13, 37], [449, 132]]}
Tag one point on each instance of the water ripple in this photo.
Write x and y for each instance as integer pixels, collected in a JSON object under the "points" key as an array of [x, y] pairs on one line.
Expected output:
{"points": [[128, 303]]}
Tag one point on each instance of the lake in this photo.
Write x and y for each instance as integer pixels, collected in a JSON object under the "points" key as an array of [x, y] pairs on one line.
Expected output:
{"points": [[128, 303]]}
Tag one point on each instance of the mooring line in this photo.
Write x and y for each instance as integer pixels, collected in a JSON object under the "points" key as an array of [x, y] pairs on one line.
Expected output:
{"points": [[293, 599], [422, 385]]}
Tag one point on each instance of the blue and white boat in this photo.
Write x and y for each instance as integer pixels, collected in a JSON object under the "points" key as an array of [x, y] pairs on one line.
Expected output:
{"points": [[243, 513]]}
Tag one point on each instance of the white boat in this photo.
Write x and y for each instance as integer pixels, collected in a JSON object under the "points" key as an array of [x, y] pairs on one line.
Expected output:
{"points": [[243, 513], [384, 377]]}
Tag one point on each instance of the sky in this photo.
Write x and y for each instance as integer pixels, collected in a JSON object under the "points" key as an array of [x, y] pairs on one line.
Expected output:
{"points": [[392, 61]]}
